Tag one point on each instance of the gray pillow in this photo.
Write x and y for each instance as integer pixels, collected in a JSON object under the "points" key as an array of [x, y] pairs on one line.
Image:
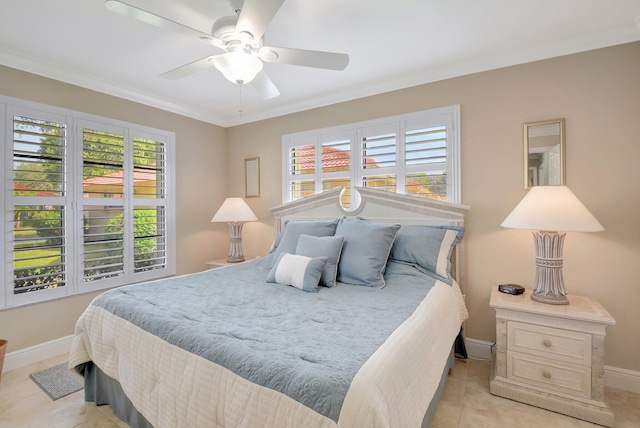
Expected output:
{"points": [[298, 271], [319, 246], [365, 250], [428, 248], [287, 241]]}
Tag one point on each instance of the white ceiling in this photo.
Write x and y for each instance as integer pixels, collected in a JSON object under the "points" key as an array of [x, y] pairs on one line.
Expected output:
{"points": [[392, 44]]}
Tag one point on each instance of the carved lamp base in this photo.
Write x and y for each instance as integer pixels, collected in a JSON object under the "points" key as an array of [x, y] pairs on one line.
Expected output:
{"points": [[549, 285], [235, 243]]}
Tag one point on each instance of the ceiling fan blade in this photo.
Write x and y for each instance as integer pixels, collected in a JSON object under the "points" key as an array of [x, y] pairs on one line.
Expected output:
{"points": [[256, 15], [265, 86], [306, 58], [155, 20], [187, 69]]}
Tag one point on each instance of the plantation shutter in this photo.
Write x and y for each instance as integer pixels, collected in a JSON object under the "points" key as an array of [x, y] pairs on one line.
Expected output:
{"points": [[299, 173], [336, 160], [150, 204], [426, 162], [39, 223], [379, 148], [104, 223]]}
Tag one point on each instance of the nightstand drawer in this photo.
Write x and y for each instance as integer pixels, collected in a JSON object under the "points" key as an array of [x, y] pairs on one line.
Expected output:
{"points": [[549, 375], [562, 345]]}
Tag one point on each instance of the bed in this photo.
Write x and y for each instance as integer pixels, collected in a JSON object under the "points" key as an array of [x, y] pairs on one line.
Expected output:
{"points": [[350, 321]]}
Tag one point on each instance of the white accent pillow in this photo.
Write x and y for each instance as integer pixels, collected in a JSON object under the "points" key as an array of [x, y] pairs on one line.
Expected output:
{"points": [[298, 271]]}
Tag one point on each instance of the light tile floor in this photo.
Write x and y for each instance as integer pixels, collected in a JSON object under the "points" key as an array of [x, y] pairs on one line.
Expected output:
{"points": [[466, 402]]}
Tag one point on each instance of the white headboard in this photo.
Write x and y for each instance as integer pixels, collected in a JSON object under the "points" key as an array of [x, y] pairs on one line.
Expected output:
{"points": [[379, 206]]}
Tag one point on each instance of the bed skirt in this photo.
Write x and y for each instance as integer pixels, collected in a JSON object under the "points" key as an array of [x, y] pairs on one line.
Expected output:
{"points": [[102, 389]]}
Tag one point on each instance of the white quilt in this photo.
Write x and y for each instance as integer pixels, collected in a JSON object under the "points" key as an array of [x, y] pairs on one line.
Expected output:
{"points": [[174, 388]]}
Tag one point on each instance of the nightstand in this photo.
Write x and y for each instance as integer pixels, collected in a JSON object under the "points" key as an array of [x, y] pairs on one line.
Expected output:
{"points": [[215, 264], [551, 356]]}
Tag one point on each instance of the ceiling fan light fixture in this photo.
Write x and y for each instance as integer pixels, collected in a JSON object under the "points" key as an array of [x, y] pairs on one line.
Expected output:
{"points": [[238, 67], [240, 38]]}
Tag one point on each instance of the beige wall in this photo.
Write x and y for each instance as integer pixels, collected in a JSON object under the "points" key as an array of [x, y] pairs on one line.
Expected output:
{"points": [[200, 189], [598, 93]]}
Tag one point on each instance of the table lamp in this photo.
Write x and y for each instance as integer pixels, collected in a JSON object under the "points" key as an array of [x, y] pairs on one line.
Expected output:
{"points": [[551, 211], [235, 212]]}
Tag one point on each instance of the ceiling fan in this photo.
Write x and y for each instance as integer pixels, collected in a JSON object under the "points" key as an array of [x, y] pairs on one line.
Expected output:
{"points": [[239, 37]]}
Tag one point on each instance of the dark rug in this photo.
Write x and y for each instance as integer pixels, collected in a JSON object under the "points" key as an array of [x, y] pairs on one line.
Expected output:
{"points": [[58, 381]]}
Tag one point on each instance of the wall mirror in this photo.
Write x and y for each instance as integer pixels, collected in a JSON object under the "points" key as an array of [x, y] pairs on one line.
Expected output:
{"points": [[544, 153], [252, 178]]}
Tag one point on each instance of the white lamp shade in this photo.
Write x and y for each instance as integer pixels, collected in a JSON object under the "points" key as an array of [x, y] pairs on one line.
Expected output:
{"points": [[238, 67], [234, 210], [552, 208]]}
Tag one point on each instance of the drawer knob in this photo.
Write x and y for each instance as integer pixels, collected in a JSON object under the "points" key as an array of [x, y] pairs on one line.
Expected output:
{"points": [[547, 343], [546, 375]]}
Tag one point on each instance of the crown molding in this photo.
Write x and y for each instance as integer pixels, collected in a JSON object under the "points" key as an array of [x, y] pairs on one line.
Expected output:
{"points": [[586, 42]]}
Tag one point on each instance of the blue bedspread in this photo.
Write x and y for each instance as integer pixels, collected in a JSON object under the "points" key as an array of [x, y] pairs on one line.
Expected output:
{"points": [[308, 346]]}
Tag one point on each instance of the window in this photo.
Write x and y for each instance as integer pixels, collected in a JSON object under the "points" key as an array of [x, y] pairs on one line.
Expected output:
{"points": [[87, 203], [416, 154]]}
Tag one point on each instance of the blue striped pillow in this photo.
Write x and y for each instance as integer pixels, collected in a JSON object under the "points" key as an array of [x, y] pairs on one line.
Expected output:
{"points": [[323, 246], [428, 248]]}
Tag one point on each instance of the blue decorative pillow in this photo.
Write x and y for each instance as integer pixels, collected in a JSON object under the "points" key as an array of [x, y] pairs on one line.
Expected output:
{"points": [[365, 250], [323, 246], [287, 241], [298, 271], [428, 248]]}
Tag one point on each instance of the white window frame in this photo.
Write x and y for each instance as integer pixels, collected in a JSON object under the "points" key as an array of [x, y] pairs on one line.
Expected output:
{"points": [[74, 200], [444, 116]]}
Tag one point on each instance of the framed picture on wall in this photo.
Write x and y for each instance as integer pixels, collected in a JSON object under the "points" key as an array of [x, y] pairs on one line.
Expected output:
{"points": [[252, 177]]}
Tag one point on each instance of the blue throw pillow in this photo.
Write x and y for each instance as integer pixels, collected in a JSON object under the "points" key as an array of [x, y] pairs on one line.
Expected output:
{"points": [[298, 271], [428, 248], [365, 250], [287, 241], [323, 246]]}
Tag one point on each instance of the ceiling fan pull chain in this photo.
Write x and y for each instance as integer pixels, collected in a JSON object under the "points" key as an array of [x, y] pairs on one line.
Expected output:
{"points": [[240, 111]]}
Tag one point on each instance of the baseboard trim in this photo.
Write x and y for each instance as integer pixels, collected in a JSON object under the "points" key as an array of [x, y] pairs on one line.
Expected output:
{"points": [[33, 354], [614, 377], [628, 380], [478, 349]]}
